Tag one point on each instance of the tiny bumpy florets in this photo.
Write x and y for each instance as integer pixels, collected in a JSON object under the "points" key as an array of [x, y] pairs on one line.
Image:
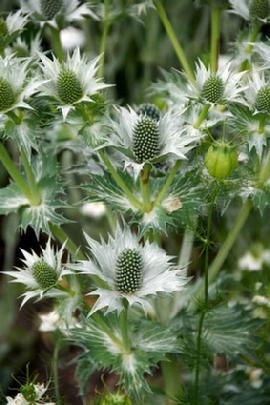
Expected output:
{"points": [[213, 89], [50, 8], [129, 271], [45, 275], [146, 139], [7, 97], [69, 87]]}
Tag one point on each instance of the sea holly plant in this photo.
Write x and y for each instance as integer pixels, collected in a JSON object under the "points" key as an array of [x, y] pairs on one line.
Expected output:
{"points": [[133, 208]]}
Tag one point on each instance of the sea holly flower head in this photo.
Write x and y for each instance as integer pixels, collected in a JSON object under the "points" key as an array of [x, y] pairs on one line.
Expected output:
{"points": [[52, 11], [130, 271], [148, 136], [71, 82], [217, 88], [11, 27], [251, 10], [41, 274], [258, 92], [30, 393], [15, 84]]}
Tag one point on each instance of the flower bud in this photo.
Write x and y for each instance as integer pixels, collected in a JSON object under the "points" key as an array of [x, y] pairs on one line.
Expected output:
{"points": [[262, 102], [221, 160]]}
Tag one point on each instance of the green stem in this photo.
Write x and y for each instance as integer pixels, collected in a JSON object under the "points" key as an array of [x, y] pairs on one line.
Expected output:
{"points": [[265, 171], [167, 184], [14, 172], [262, 124], [57, 43], [215, 37], [202, 116], [132, 199], [106, 26], [144, 180], [173, 38], [171, 371], [36, 197], [55, 371], [198, 359], [253, 36], [124, 326], [61, 235]]}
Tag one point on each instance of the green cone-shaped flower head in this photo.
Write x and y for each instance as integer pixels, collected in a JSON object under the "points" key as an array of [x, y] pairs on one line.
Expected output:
{"points": [[69, 87], [262, 102], [49, 8], [7, 97], [129, 271], [259, 9], [28, 392], [3, 28], [149, 110], [146, 139], [45, 275], [221, 160], [213, 89]]}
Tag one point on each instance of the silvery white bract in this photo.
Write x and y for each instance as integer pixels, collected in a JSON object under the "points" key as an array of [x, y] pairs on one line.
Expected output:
{"points": [[47, 11], [50, 272], [130, 271], [39, 391], [20, 48], [257, 91], [15, 84], [172, 140], [216, 88], [71, 82], [251, 9], [263, 50], [15, 22]]}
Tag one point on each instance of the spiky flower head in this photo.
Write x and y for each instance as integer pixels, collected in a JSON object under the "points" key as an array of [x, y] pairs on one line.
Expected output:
{"points": [[222, 87], [11, 27], [49, 8], [150, 111], [30, 393], [259, 9], [262, 102], [257, 93], [72, 81], [40, 274], [130, 270], [7, 96], [143, 139]]}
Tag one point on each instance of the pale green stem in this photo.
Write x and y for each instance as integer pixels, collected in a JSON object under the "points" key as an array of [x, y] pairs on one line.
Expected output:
{"points": [[144, 180], [57, 43], [215, 37], [123, 319], [132, 199], [262, 124], [55, 360], [253, 36], [202, 116], [167, 184], [106, 26], [14, 172], [175, 42], [265, 171], [36, 197], [171, 371]]}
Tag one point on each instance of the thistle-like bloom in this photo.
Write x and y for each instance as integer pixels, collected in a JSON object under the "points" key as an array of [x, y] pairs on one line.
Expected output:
{"points": [[130, 271], [217, 88], [258, 92], [30, 393], [11, 27], [71, 82], [15, 85], [251, 9], [48, 11], [41, 274], [148, 136]]}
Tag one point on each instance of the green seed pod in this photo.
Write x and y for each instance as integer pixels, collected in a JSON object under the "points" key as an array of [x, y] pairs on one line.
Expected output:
{"points": [[7, 97], [129, 271], [49, 8], [45, 275], [146, 140], [213, 89], [69, 87], [150, 111], [262, 102], [259, 9], [221, 160]]}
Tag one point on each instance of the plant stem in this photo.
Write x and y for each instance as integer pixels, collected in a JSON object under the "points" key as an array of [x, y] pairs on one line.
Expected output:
{"points": [[132, 199], [57, 43], [171, 371], [175, 42], [262, 124], [14, 172], [144, 180], [167, 183], [253, 35], [215, 37], [202, 116], [55, 371], [265, 171], [61, 235], [106, 26], [124, 326], [35, 192]]}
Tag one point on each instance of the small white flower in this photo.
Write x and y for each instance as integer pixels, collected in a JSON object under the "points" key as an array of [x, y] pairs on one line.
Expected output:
{"points": [[48, 11], [261, 300], [254, 259], [71, 82], [130, 271], [15, 85], [251, 9], [216, 88], [144, 138], [52, 321], [34, 389], [94, 209], [41, 274]]}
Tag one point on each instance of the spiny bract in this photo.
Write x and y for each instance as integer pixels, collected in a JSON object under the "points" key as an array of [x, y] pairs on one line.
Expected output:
{"points": [[129, 271], [146, 139], [45, 275], [7, 97], [263, 99], [259, 9], [69, 87], [50, 8], [213, 89]]}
